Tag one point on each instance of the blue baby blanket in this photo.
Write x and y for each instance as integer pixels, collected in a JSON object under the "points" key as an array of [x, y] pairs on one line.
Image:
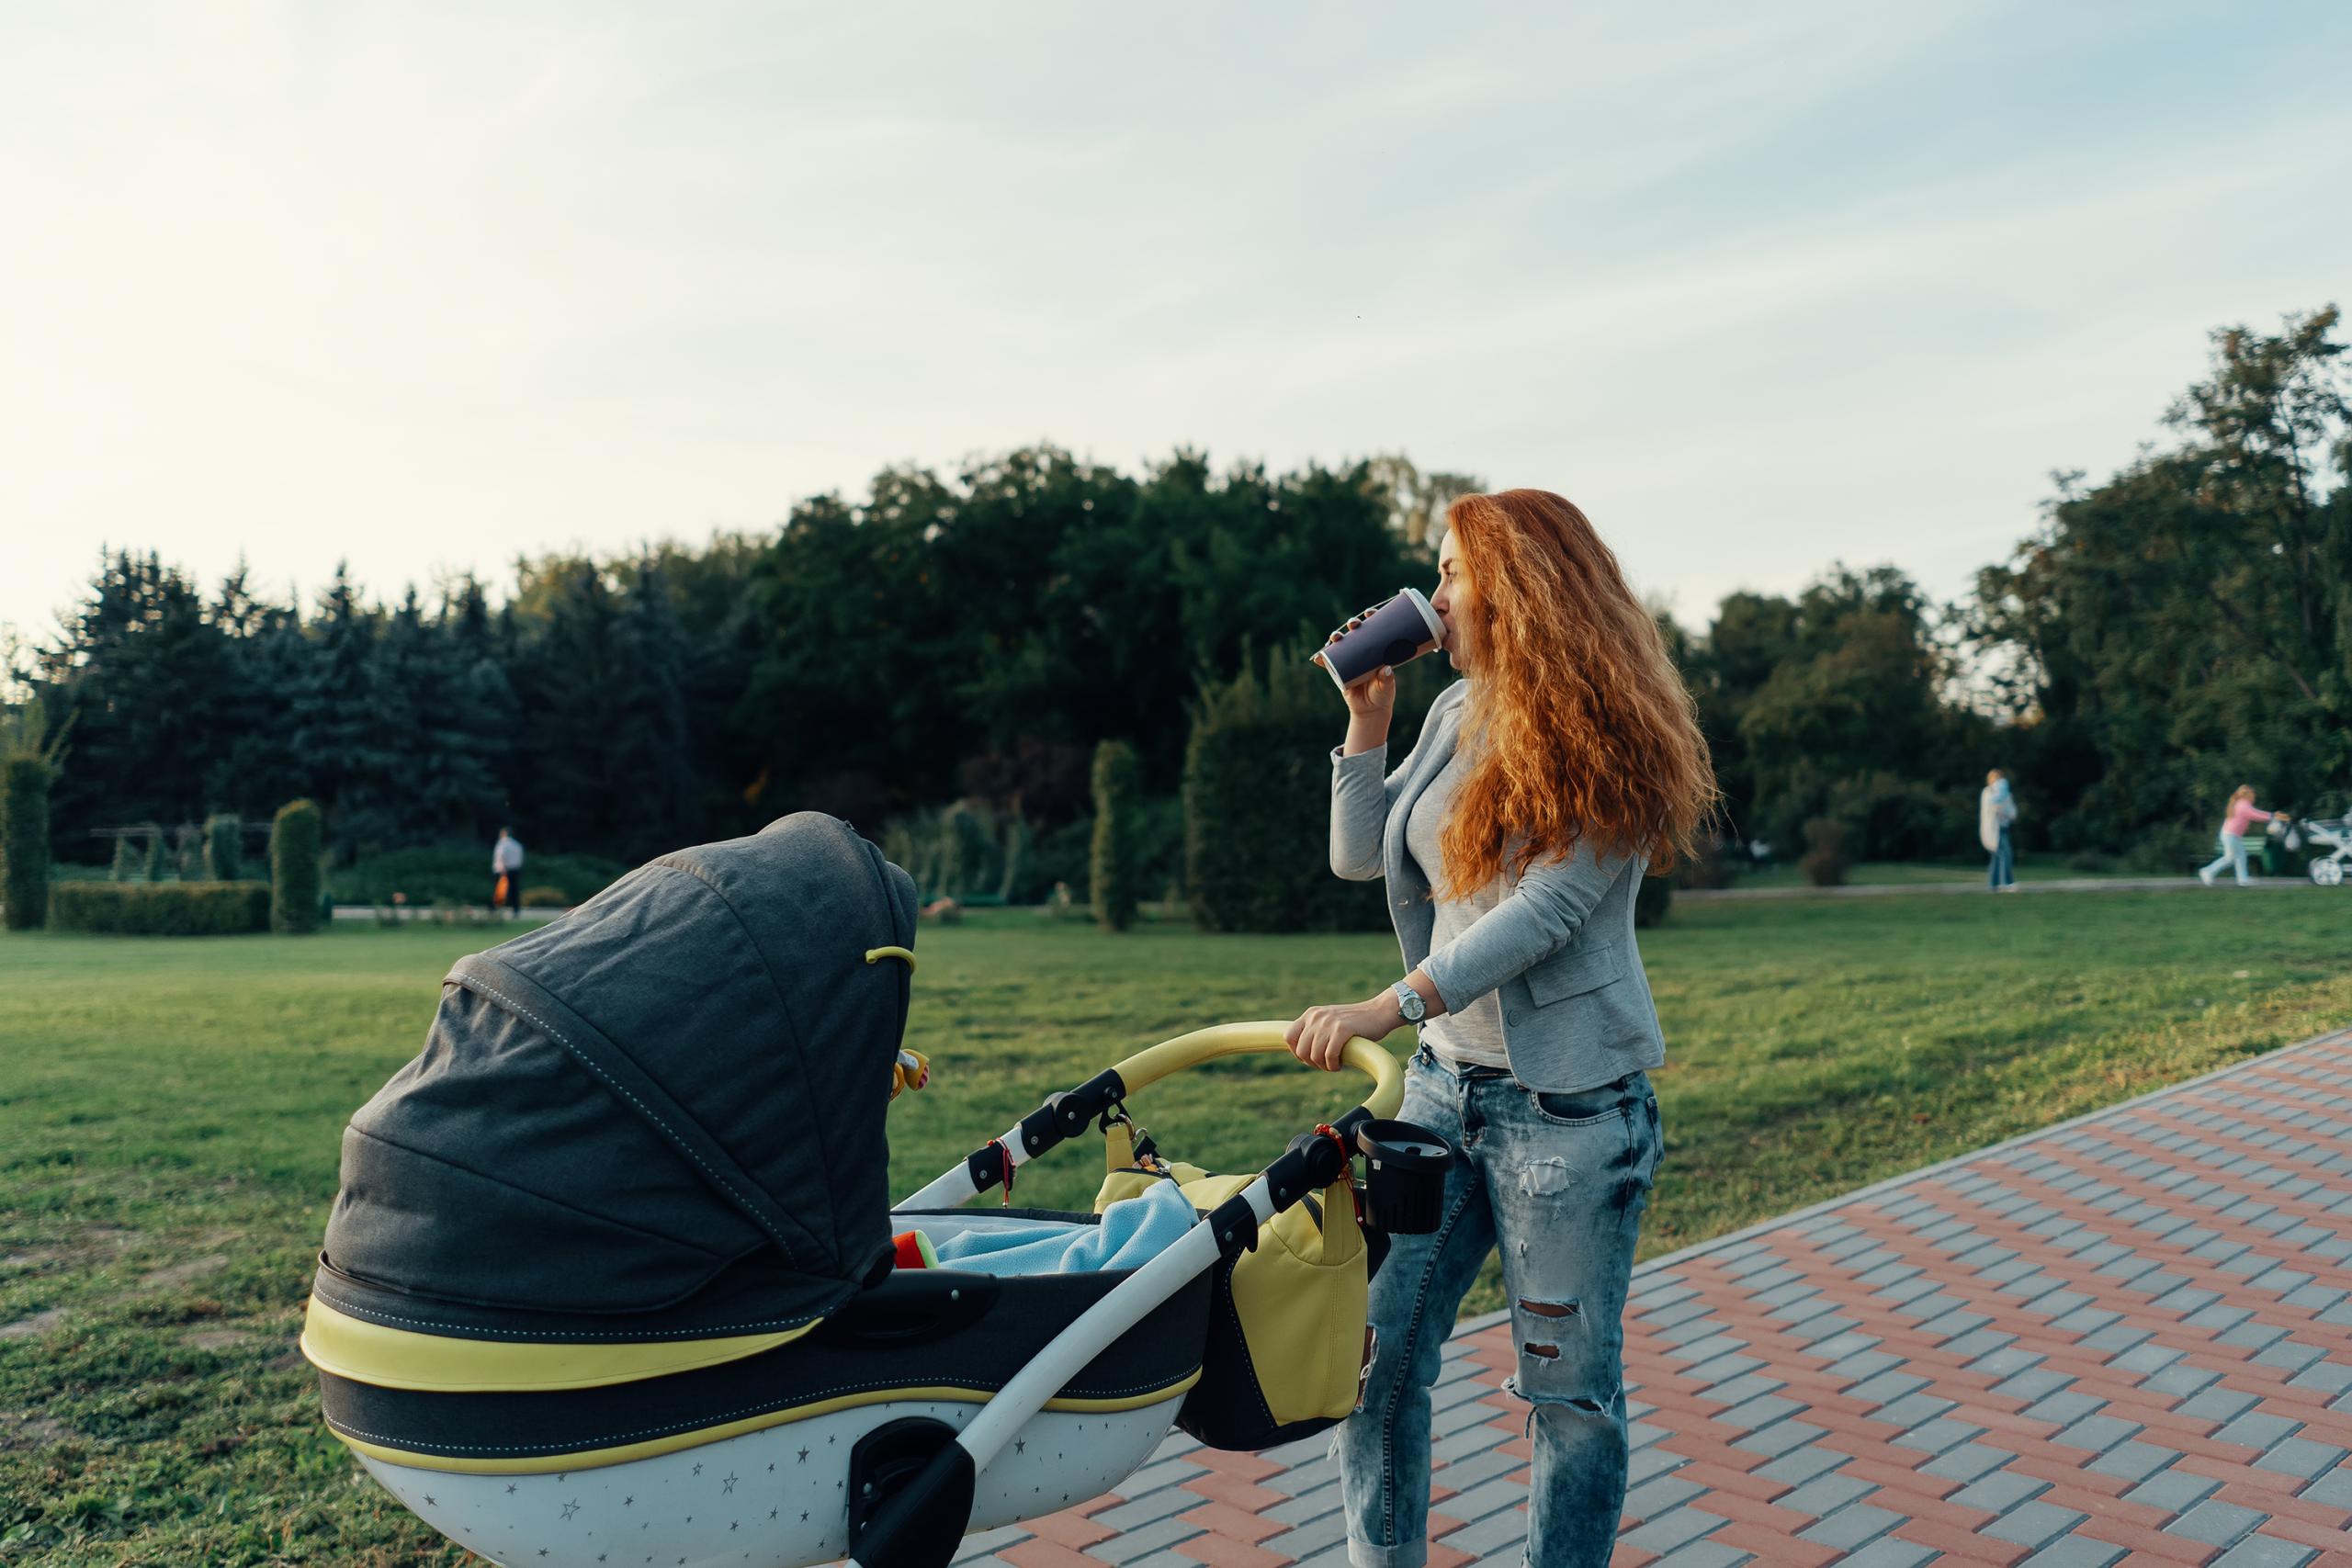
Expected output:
{"points": [[1131, 1234]]}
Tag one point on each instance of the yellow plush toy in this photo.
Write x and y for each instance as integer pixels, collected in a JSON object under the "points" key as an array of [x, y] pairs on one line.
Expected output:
{"points": [[913, 1070]]}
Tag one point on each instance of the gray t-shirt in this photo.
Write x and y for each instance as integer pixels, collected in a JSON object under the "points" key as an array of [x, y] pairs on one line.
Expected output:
{"points": [[1473, 1033]]}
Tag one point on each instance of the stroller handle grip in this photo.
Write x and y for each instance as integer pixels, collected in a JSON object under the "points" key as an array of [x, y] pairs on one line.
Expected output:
{"points": [[1169, 1057]]}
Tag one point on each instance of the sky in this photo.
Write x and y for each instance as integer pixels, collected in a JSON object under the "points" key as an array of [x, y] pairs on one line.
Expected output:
{"points": [[426, 288]]}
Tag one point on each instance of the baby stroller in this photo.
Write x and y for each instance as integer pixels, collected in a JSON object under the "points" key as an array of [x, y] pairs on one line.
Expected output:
{"points": [[611, 1279], [2334, 834]]}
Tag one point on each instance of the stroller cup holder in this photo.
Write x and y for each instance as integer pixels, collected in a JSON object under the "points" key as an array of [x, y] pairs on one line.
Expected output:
{"points": [[1405, 1170]]}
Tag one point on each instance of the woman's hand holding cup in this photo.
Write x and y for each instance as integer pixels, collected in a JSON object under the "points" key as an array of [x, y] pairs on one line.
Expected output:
{"points": [[1373, 696]]}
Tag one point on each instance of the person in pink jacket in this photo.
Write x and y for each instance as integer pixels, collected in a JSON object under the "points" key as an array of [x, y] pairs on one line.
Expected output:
{"points": [[2243, 814]]}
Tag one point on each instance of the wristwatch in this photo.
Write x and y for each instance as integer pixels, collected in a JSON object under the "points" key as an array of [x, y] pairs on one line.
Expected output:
{"points": [[1408, 1002]]}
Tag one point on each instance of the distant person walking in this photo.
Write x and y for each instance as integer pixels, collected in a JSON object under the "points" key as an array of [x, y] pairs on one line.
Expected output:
{"points": [[2243, 813], [506, 869], [1996, 807]]}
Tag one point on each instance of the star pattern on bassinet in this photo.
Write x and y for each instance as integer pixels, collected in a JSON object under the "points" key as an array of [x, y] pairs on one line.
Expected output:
{"points": [[577, 1522]]}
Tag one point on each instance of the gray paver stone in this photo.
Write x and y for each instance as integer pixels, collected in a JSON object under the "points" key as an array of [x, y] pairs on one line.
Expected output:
{"points": [[2302, 1458], [1670, 1530], [1649, 1501], [1761, 1411], [2181, 1381], [1483, 1541], [1850, 1526], [1934, 1435], [1652, 1462], [1826, 1496], [2074, 1552], [2176, 1490], [2032, 1524], [1800, 1465], [2215, 1523], [1320, 1503], [2264, 1551], [1967, 1462], [2096, 1434], [2133, 1461], [1704, 1554], [2257, 1429], [1330, 1529], [1916, 1410], [2334, 1488], [1779, 1438], [1999, 1492], [1889, 1551], [1463, 1474], [1484, 1498], [2064, 1409]]}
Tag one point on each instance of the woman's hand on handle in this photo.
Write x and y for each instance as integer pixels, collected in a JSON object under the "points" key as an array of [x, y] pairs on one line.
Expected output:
{"points": [[1319, 1036]]}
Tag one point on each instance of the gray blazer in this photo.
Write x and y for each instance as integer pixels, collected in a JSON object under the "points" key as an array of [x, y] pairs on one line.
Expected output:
{"points": [[1575, 1004]]}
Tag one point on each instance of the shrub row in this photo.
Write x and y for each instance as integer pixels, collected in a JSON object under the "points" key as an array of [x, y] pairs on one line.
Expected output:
{"points": [[24, 840], [159, 908]]}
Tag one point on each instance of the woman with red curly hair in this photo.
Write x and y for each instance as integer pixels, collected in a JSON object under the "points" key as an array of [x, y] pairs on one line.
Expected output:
{"points": [[1513, 838]]}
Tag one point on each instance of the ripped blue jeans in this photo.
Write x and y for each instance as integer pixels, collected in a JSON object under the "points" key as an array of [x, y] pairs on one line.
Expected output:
{"points": [[1558, 1182]]}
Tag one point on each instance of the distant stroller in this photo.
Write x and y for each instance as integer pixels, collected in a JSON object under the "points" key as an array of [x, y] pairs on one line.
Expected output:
{"points": [[2334, 834]]}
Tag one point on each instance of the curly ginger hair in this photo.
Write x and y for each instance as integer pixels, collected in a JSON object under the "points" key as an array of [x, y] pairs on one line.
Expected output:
{"points": [[1581, 729]]}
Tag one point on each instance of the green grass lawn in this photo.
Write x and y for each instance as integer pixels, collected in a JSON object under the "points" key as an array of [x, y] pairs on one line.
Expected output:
{"points": [[169, 1114]]}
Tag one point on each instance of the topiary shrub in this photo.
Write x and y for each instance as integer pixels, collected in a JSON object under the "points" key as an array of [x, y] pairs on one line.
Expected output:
{"points": [[1016, 886], [129, 864], [1113, 864], [158, 862], [1825, 856], [187, 852], [169, 908], [223, 848], [295, 837], [24, 840], [1653, 899]]}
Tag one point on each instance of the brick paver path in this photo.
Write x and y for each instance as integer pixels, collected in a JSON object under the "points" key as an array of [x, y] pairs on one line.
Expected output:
{"points": [[2126, 1337]]}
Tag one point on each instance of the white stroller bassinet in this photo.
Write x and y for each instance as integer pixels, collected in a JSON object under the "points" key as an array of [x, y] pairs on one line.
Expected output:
{"points": [[609, 1280]]}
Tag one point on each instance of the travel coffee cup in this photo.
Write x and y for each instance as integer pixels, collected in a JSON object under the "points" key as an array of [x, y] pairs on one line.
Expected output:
{"points": [[1404, 628]]}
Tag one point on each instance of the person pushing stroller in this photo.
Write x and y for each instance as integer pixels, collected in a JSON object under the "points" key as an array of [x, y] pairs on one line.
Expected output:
{"points": [[2243, 815]]}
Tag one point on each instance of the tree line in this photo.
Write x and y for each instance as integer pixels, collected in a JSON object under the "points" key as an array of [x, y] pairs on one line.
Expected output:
{"points": [[973, 636]]}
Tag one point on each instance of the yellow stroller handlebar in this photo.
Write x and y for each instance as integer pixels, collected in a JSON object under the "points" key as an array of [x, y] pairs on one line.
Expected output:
{"points": [[1172, 1056], [1066, 1115]]}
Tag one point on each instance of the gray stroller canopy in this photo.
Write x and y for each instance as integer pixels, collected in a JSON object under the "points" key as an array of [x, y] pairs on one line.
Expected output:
{"points": [[673, 1094]]}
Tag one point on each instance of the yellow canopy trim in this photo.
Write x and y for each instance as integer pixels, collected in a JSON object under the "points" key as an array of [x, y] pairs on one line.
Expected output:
{"points": [[398, 1358]]}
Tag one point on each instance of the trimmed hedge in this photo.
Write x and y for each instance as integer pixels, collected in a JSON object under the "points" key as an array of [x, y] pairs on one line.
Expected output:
{"points": [[428, 874], [296, 838], [24, 840], [1112, 867], [1258, 799], [161, 908]]}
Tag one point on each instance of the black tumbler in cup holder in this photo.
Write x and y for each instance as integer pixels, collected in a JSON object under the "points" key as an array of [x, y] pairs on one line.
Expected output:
{"points": [[1405, 1171]]}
